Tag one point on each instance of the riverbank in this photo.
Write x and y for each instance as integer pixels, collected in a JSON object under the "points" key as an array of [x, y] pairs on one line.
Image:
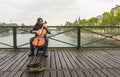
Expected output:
{"points": [[107, 39]]}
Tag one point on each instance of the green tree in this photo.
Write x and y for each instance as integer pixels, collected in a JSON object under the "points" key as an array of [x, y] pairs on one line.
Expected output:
{"points": [[83, 22], [113, 20], [117, 17], [108, 19], [93, 21], [3, 24], [105, 19], [22, 24]]}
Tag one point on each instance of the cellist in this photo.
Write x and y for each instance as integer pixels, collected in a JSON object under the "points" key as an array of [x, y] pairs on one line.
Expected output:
{"points": [[39, 24]]}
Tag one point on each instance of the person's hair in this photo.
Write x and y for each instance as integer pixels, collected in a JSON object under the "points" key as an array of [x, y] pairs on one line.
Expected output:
{"points": [[38, 21]]}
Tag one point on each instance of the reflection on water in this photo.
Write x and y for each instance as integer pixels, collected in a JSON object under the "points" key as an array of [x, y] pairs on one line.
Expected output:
{"points": [[4, 34], [24, 38], [70, 37], [7, 39]]}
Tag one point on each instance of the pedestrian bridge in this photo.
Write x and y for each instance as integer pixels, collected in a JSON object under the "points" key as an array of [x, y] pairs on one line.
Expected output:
{"points": [[94, 52], [62, 62], [63, 36]]}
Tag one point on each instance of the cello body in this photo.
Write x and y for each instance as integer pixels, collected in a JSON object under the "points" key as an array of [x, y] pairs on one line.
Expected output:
{"points": [[39, 40]]}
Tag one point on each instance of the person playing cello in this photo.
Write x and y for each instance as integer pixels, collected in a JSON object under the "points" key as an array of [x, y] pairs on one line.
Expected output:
{"points": [[38, 26]]}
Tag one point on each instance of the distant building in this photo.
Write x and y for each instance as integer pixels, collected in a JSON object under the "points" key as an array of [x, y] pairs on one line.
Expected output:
{"points": [[68, 23], [13, 24], [99, 17], [61, 25], [115, 8], [77, 20]]}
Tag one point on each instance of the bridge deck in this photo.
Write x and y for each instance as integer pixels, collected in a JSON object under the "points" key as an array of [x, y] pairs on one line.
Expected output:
{"points": [[63, 63]]}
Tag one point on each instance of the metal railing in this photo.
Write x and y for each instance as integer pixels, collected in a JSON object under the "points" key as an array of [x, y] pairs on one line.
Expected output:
{"points": [[65, 36]]}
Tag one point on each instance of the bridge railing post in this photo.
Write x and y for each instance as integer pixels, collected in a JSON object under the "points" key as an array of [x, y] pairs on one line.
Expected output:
{"points": [[78, 37], [14, 37]]}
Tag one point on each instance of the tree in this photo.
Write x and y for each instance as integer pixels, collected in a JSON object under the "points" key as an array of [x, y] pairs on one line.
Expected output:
{"points": [[83, 22], [3, 24], [105, 19], [113, 20], [109, 19], [117, 17], [22, 24], [92, 21]]}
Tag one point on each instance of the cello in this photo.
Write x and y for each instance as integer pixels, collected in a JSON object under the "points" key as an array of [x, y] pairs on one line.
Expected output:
{"points": [[39, 40]]}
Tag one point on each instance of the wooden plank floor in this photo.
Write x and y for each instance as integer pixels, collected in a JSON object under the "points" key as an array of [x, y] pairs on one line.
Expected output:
{"points": [[62, 63]]}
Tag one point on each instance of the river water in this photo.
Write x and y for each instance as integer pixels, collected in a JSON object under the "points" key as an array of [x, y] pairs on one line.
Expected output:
{"points": [[24, 38], [70, 39]]}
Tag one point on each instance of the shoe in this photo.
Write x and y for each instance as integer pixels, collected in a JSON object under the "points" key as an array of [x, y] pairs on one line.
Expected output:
{"points": [[31, 54], [45, 55]]}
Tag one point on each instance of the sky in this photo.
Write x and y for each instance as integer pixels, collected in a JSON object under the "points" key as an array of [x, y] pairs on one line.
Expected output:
{"points": [[55, 12]]}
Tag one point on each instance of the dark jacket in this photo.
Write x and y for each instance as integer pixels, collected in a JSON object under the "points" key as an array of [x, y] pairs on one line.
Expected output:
{"points": [[37, 27]]}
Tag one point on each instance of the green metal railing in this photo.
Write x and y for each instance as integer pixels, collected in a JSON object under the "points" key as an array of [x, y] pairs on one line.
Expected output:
{"points": [[84, 36], [101, 36]]}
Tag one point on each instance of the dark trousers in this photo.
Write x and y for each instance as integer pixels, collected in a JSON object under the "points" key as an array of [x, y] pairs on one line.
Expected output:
{"points": [[44, 48]]}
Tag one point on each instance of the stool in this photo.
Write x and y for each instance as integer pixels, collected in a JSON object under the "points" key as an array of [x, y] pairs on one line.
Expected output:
{"points": [[38, 49]]}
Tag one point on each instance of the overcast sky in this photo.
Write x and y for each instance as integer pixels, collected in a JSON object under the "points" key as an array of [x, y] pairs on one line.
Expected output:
{"points": [[55, 12]]}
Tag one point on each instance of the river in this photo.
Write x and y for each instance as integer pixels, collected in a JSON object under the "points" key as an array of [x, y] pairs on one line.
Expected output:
{"points": [[24, 38], [68, 40]]}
